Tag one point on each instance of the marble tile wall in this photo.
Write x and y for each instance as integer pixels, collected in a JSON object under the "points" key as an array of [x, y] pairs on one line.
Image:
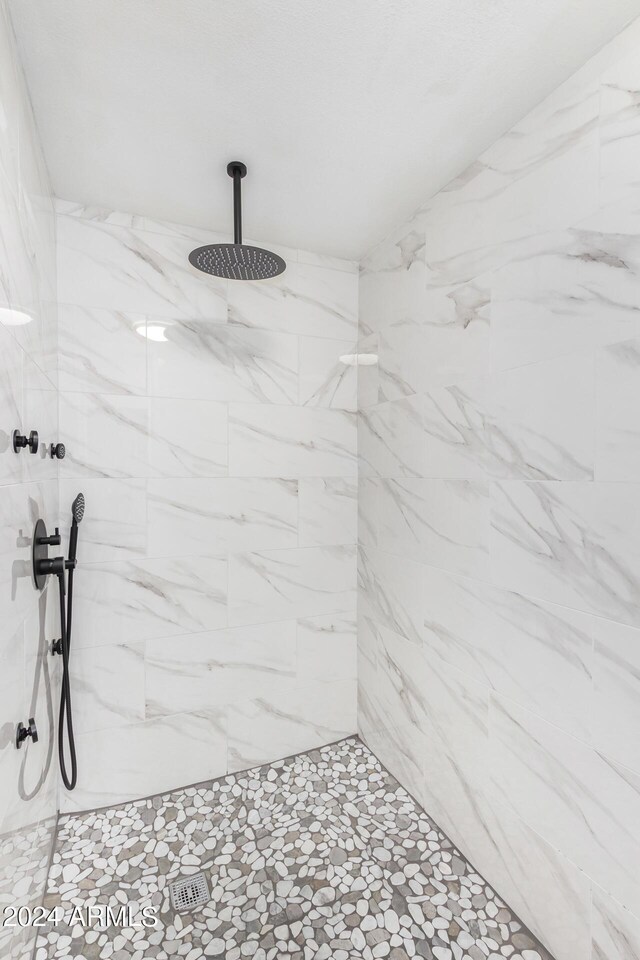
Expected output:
{"points": [[28, 490], [499, 540], [212, 428]]}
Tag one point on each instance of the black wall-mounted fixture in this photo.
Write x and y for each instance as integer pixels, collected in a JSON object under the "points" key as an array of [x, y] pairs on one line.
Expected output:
{"points": [[20, 441], [237, 260], [44, 566], [23, 733], [57, 451]]}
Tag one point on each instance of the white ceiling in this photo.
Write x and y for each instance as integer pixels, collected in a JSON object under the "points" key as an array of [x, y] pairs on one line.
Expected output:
{"points": [[348, 113]]}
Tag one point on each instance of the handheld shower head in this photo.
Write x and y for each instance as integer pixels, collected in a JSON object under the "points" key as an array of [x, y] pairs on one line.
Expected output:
{"points": [[77, 508]]}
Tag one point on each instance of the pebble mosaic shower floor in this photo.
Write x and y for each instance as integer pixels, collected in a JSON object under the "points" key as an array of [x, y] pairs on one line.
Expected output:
{"points": [[319, 856]]}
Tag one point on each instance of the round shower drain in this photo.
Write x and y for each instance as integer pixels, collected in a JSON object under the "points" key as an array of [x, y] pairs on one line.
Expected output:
{"points": [[189, 892]]}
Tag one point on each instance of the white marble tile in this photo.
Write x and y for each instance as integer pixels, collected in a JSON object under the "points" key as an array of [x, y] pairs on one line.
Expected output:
{"points": [[140, 759], [454, 422], [327, 511], [571, 543], [542, 420], [116, 603], [108, 686], [567, 291], [21, 505], [323, 260], [11, 406], [545, 178], [448, 341], [306, 300], [208, 516], [12, 695], [114, 523], [392, 278], [104, 436], [327, 648], [538, 654], [391, 439], [277, 441], [213, 361], [391, 592], [368, 511], [190, 673], [187, 438], [587, 806], [101, 351], [618, 421], [270, 727], [40, 412], [616, 932], [368, 377], [278, 584], [444, 523], [620, 133], [101, 265], [616, 692], [326, 379]]}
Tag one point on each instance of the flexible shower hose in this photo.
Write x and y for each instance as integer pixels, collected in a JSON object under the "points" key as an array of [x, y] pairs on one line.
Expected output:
{"points": [[66, 719]]}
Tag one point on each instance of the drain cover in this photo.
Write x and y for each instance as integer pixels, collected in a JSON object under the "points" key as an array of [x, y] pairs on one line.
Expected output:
{"points": [[189, 892]]}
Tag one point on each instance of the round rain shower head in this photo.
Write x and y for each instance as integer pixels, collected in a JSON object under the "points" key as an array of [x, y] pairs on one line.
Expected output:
{"points": [[77, 508], [237, 261]]}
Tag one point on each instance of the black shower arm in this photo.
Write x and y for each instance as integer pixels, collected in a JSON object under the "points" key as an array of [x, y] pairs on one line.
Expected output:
{"points": [[237, 206]]}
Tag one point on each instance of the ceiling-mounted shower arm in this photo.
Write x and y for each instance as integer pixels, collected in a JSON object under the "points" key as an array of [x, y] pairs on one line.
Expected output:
{"points": [[237, 171]]}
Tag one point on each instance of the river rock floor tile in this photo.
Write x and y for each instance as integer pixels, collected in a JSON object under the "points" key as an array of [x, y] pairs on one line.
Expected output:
{"points": [[323, 856]]}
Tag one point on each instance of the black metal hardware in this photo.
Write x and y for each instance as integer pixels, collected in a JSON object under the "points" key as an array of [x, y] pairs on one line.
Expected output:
{"points": [[237, 171], [56, 646], [20, 441], [237, 260], [22, 733], [42, 565], [57, 451]]}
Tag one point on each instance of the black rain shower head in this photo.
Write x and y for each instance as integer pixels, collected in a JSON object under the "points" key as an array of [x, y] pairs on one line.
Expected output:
{"points": [[77, 508], [237, 261]]}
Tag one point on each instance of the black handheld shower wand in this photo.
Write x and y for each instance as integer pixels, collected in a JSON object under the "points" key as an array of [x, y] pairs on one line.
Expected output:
{"points": [[58, 566], [65, 719]]}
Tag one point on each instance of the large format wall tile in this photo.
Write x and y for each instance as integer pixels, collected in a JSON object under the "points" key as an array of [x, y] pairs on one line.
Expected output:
{"points": [[114, 524], [209, 361], [444, 523], [277, 584], [154, 756], [586, 805], [306, 300], [191, 673], [571, 543], [291, 442], [211, 427], [616, 713], [498, 476], [100, 265], [208, 517], [101, 351], [616, 932], [140, 599]]}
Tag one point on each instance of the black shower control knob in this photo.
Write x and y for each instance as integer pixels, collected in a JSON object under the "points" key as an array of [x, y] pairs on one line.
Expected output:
{"points": [[20, 441], [22, 733], [57, 451]]}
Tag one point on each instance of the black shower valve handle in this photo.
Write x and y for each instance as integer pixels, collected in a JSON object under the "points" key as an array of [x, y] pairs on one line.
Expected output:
{"points": [[23, 733], [57, 451], [54, 540], [20, 441]]}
